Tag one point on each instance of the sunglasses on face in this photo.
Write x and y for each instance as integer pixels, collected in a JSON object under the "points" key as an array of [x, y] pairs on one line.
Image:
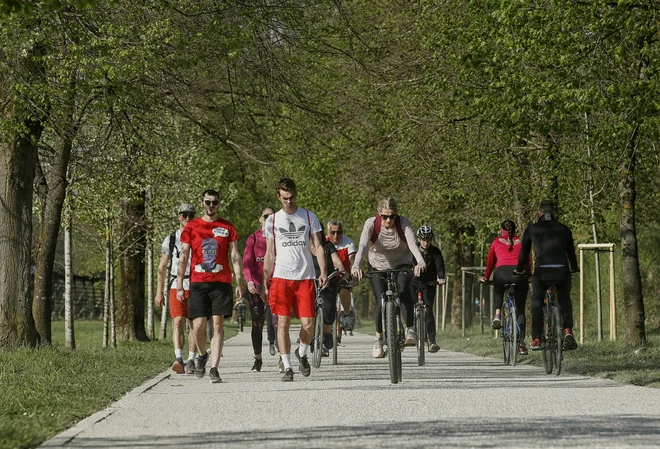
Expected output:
{"points": [[388, 217], [336, 232], [264, 216], [211, 202], [187, 214]]}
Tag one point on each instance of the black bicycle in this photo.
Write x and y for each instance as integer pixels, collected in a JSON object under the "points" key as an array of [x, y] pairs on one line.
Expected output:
{"points": [[420, 320], [510, 326], [393, 329], [317, 340], [241, 315], [552, 332]]}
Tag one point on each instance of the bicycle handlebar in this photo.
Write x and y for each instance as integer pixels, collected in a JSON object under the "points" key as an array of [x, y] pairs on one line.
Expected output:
{"points": [[380, 273]]}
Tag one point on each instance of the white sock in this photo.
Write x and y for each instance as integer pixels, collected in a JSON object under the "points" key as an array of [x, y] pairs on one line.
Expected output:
{"points": [[286, 361], [191, 355], [302, 350], [178, 353]]}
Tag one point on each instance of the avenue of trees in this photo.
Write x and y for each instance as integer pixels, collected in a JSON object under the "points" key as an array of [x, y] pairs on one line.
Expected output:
{"points": [[466, 112]]}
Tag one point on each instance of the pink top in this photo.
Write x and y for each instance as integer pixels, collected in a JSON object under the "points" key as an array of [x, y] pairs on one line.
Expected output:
{"points": [[253, 258], [499, 254]]}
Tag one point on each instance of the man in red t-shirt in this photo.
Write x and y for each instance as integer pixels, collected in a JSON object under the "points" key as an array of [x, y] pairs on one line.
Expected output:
{"points": [[210, 239]]}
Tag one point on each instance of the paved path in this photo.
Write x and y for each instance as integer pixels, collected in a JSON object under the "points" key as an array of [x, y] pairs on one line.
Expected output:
{"points": [[454, 401]]}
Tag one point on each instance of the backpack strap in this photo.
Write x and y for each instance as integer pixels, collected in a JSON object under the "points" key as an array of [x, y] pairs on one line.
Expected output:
{"points": [[173, 245], [309, 225], [399, 228], [379, 222], [274, 243]]}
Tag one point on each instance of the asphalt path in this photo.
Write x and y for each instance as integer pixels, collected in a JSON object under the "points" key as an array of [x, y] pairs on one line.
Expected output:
{"points": [[456, 400]]}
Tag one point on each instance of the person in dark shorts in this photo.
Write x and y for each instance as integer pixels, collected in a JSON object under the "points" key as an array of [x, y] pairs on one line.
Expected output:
{"points": [[211, 240]]}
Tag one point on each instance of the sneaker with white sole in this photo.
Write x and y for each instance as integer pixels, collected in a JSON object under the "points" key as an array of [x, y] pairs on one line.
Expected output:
{"points": [[377, 352], [411, 337], [190, 366], [215, 376]]}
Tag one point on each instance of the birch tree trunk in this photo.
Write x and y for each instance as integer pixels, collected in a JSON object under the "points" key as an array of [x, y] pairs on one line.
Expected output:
{"points": [[111, 304], [69, 334], [150, 290], [106, 292]]}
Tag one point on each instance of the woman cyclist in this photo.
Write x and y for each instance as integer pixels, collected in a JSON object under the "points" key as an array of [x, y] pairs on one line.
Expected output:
{"points": [[435, 272], [393, 246], [502, 260]]}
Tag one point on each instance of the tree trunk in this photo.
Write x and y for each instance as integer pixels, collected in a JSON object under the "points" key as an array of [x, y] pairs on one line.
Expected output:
{"points": [[632, 279], [18, 160], [130, 316], [69, 334], [50, 228], [106, 291], [463, 257], [150, 270]]}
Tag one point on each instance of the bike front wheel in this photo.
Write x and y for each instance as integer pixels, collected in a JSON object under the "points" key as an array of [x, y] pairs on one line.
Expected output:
{"points": [[393, 353], [420, 324], [318, 338], [335, 338]]}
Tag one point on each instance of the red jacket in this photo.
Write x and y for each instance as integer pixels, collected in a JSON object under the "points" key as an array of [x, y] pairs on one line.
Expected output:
{"points": [[499, 254]]}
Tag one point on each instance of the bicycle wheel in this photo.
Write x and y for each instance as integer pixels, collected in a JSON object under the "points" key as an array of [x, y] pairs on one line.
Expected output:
{"points": [[318, 338], [420, 324], [335, 338], [401, 334], [392, 340], [547, 344], [513, 322], [240, 323], [506, 330], [558, 340]]}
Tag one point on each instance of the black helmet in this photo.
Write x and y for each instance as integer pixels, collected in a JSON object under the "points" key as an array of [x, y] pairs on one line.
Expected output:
{"points": [[425, 232]]}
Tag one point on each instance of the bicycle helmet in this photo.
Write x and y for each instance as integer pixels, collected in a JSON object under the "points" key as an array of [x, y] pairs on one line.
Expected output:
{"points": [[425, 232]]}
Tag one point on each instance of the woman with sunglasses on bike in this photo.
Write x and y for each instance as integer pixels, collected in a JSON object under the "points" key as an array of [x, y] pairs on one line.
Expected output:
{"points": [[502, 259], [393, 246]]}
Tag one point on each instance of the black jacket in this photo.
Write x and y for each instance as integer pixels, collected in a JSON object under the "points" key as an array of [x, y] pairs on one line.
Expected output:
{"points": [[435, 264], [553, 245]]}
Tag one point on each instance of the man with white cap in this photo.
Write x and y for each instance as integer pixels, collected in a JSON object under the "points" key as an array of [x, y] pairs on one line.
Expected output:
{"points": [[171, 248]]}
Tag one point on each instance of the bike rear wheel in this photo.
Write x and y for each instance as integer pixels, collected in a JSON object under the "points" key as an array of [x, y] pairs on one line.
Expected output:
{"points": [[393, 353], [240, 323], [559, 343], [420, 324], [506, 329], [318, 338], [548, 344], [513, 332]]}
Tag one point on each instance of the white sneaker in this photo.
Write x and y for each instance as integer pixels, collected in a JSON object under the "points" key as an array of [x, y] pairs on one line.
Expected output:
{"points": [[411, 337], [377, 351]]}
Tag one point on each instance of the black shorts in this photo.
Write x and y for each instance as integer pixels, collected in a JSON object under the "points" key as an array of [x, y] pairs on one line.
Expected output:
{"points": [[210, 299]]}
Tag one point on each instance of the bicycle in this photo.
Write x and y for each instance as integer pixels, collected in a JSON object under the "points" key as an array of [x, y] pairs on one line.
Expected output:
{"points": [[552, 332], [317, 339], [510, 329], [420, 320], [393, 330], [240, 315]]}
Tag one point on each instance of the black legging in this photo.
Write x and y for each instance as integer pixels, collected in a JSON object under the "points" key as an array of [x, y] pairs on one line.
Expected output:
{"points": [[329, 295], [404, 285], [428, 292], [542, 279], [259, 311], [504, 275]]}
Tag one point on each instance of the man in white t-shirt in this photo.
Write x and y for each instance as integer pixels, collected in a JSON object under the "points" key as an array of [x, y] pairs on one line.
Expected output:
{"points": [[292, 234], [178, 309]]}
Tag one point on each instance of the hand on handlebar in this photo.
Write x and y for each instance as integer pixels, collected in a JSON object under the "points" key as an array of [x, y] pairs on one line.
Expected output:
{"points": [[419, 268], [442, 281], [482, 280], [357, 273]]}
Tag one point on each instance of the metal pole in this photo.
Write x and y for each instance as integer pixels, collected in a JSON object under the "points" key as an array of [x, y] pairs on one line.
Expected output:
{"points": [[581, 296], [612, 298], [437, 305], [445, 290], [463, 302], [492, 311]]}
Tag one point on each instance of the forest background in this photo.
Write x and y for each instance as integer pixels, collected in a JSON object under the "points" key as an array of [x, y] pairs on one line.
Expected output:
{"points": [[114, 113]]}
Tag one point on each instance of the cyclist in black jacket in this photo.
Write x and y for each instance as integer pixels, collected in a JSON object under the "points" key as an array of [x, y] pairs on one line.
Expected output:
{"points": [[555, 261], [435, 271]]}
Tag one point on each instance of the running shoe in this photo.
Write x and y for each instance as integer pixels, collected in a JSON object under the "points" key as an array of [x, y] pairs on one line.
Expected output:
{"points": [[377, 351], [280, 365], [327, 341], [288, 375], [497, 321], [411, 337], [271, 348], [190, 366], [178, 366], [569, 340], [257, 365], [200, 366], [215, 376], [348, 323], [325, 352], [535, 345], [434, 347], [522, 349], [305, 369]]}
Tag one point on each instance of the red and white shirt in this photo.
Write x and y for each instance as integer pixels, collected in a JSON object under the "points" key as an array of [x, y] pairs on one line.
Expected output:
{"points": [[209, 244], [345, 248]]}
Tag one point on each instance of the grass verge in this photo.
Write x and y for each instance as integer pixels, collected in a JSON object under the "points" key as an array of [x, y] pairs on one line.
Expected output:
{"points": [[47, 390]]}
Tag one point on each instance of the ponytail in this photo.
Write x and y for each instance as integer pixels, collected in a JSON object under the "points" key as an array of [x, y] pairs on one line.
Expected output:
{"points": [[510, 227]]}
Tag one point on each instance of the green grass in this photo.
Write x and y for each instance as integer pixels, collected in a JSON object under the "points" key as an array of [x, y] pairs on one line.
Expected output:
{"points": [[47, 390], [610, 360]]}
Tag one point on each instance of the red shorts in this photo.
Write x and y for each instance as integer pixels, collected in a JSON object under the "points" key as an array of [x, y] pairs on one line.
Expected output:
{"points": [[178, 308], [284, 294]]}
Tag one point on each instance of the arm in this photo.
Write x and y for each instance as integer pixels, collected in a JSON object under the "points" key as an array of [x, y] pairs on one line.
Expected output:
{"points": [[323, 277], [440, 265], [269, 260], [572, 259], [336, 261], [524, 252], [490, 263], [181, 270], [412, 246], [367, 230], [249, 263], [162, 275], [237, 262]]}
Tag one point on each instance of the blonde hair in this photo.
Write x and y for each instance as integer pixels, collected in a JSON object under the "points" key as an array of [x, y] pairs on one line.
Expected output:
{"points": [[387, 203]]}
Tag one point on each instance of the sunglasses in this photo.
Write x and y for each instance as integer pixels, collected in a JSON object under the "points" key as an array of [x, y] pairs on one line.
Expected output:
{"points": [[336, 232], [209, 202], [264, 216], [388, 217], [187, 214]]}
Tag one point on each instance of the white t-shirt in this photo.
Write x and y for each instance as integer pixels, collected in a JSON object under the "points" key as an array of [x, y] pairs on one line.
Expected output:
{"points": [[165, 249], [293, 249]]}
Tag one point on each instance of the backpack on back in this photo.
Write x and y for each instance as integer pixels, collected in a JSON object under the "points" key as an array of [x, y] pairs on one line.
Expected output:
{"points": [[378, 224]]}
